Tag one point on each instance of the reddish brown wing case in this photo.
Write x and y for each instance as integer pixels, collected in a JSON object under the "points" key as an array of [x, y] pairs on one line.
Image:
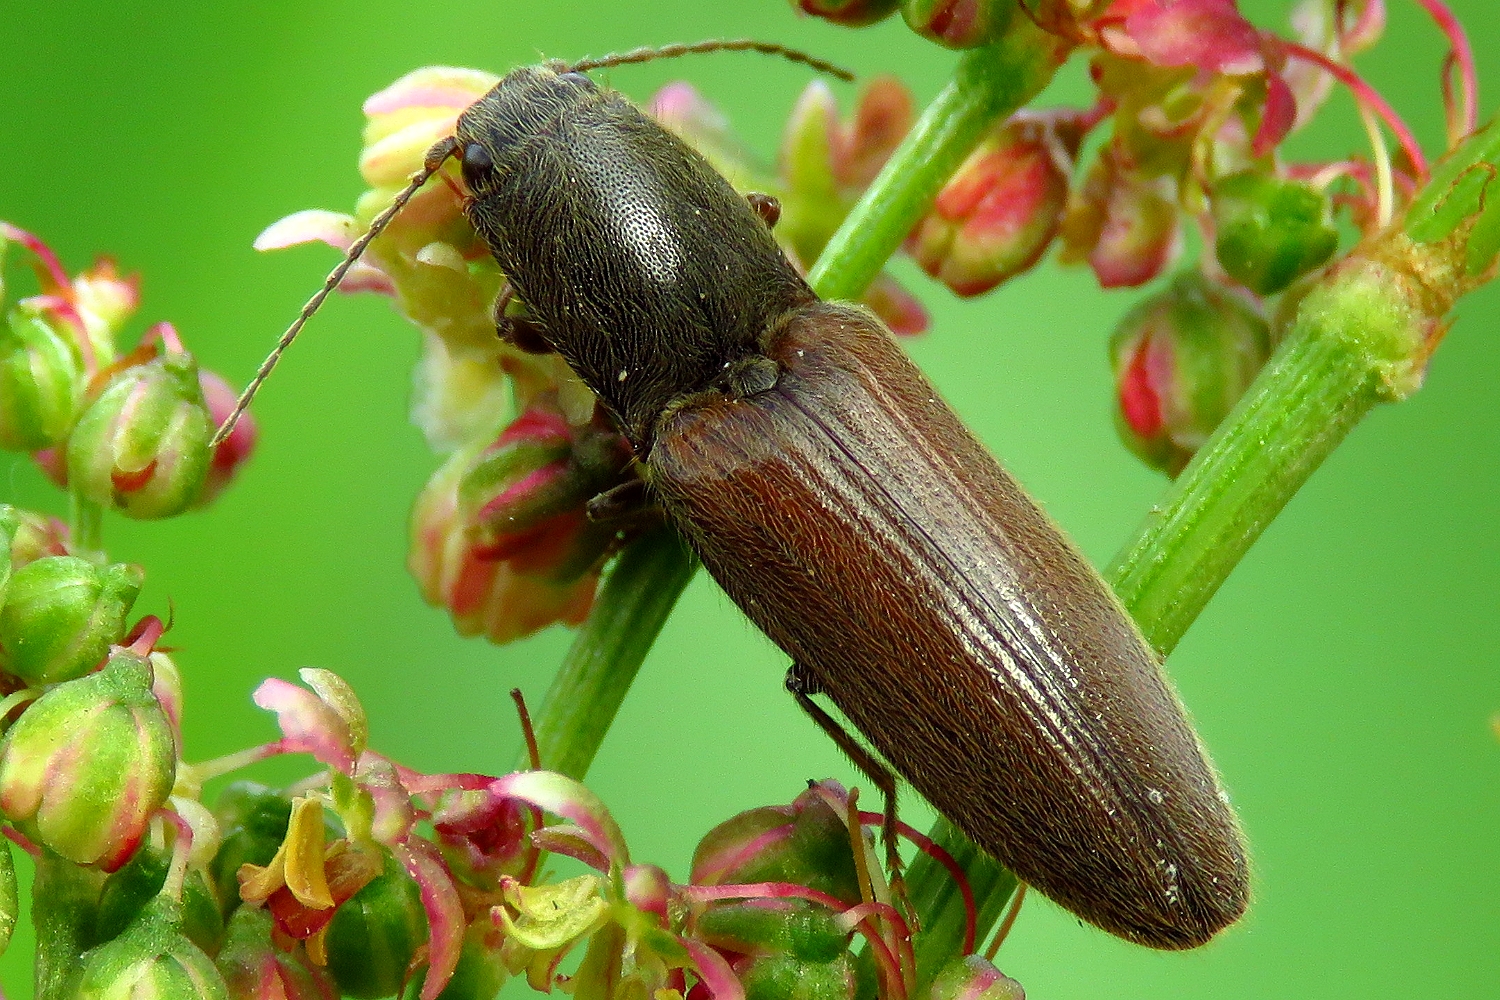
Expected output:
{"points": [[865, 530]]}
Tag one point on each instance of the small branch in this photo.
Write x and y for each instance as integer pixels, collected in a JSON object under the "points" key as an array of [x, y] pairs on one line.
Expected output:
{"points": [[632, 606], [989, 84]]}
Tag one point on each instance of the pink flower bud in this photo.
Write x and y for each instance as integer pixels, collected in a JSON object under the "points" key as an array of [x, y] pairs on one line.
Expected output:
{"points": [[1182, 359], [997, 215], [500, 537], [87, 764], [31, 536], [849, 13], [141, 447], [62, 614], [234, 451], [971, 977], [1123, 223]]}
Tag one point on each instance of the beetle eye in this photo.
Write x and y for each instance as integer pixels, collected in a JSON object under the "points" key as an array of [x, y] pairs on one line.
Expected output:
{"points": [[477, 166]]}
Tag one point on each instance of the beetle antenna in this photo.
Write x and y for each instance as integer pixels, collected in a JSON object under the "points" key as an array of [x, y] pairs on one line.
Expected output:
{"points": [[435, 159], [642, 55]]}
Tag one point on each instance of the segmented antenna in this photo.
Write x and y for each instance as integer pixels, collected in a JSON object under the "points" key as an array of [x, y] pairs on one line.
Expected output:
{"points": [[435, 158], [642, 55]]}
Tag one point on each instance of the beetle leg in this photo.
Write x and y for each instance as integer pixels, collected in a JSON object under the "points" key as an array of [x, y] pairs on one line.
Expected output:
{"points": [[767, 206], [802, 685], [518, 329], [625, 505]]}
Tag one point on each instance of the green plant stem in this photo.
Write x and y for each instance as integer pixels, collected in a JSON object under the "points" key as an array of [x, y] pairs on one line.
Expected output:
{"points": [[1360, 338], [64, 897], [988, 85], [86, 528], [633, 604]]}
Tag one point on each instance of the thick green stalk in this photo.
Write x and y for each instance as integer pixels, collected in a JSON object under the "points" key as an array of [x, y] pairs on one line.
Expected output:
{"points": [[633, 604], [988, 85], [64, 897], [86, 528], [1361, 337]]}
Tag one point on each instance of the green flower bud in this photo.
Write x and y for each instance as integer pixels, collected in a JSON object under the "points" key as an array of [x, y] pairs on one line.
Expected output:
{"points": [[254, 969], [88, 763], [800, 930], [374, 935], [142, 446], [130, 890], [958, 24], [41, 382], [781, 977], [971, 977], [152, 960], [481, 969], [254, 819], [805, 843], [1271, 231], [30, 536], [62, 614], [1182, 359]]}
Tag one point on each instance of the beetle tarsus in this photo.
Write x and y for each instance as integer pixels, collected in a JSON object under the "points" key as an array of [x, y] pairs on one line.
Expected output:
{"points": [[518, 329]]}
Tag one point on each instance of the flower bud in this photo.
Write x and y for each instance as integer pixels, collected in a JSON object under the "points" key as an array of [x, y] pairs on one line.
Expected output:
{"points": [[374, 935], [793, 928], [849, 13], [500, 537], [141, 447], [999, 212], [971, 977], [61, 615], [481, 969], [1182, 359], [88, 763], [131, 889], [234, 450], [254, 820], [1123, 223], [805, 843], [958, 24], [1271, 231], [41, 381], [32, 536], [254, 969], [784, 977], [151, 960]]}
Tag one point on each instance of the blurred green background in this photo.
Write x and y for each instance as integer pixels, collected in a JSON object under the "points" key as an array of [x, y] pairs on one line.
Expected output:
{"points": [[1344, 678]]}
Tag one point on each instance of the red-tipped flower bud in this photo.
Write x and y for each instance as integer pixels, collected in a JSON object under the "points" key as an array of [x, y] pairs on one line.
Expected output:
{"points": [[41, 381], [971, 977], [141, 447], [234, 451], [805, 843], [998, 214], [1271, 231], [152, 960], [500, 537], [31, 536], [62, 614], [958, 24], [87, 764], [1182, 359], [850, 13]]}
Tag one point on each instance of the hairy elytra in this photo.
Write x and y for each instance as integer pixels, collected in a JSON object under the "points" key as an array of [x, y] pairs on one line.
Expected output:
{"points": [[849, 513]]}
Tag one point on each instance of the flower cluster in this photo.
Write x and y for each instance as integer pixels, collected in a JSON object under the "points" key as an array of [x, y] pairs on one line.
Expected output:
{"points": [[1197, 102], [127, 430]]}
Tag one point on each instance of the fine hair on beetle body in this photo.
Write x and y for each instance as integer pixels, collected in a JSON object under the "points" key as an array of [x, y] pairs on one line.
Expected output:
{"points": [[848, 512]]}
